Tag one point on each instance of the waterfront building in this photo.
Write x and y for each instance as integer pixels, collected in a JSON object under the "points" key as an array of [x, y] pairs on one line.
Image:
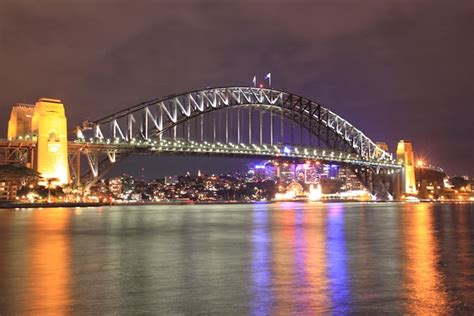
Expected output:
{"points": [[8, 190], [122, 186], [287, 172], [115, 186]]}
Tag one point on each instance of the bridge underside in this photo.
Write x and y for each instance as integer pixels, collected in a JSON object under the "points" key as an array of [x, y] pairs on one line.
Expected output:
{"points": [[102, 155]]}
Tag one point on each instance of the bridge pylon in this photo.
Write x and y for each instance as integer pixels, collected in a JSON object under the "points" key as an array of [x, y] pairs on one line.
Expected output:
{"points": [[407, 179], [49, 125], [44, 127]]}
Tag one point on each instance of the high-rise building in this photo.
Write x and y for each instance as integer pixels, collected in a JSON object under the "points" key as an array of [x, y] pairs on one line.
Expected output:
{"points": [[333, 171], [287, 171]]}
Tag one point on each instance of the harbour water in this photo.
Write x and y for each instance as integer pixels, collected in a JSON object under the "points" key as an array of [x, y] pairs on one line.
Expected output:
{"points": [[260, 259]]}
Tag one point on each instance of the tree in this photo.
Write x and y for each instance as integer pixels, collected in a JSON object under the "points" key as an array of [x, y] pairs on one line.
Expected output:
{"points": [[18, 173], [459, 183], [330, 186]]}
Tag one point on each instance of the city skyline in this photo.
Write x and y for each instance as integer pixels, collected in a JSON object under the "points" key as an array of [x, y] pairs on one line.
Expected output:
{"points": [[397, 71]]}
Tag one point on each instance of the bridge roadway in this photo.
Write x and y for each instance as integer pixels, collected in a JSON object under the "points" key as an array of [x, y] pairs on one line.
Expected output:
{"points": [[22, 151], [181, 147]]}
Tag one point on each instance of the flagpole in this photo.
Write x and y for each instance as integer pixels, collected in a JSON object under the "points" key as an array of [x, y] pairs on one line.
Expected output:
{"points": [[269, 77]]}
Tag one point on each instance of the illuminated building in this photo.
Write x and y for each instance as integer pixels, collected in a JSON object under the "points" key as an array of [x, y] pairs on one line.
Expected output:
{"points": [[333, 171], [349, 180], [19, 125], [169, 180], [406, 156], [329, 171], [115, 186], [315, 193], [49, 125], [300, 172], [287, 172], [429, 182], [272, 170], [122, 186], [312, 173], [8, 190], [259, 171], [306, 172]]}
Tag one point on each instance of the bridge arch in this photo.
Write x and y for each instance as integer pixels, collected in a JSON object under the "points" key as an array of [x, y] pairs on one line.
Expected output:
{"points": [[140, 130], [151, 119]]}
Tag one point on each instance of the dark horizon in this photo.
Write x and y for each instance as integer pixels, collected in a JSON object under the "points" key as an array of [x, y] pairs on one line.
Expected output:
{"points": [[394, 69]]}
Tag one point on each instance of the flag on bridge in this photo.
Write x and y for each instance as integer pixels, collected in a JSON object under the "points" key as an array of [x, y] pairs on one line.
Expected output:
{"points": [[254, 81], [269, 77]]}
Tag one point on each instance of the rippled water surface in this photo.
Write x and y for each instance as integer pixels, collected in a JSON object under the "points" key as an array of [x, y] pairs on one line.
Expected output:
{"points": [[288, 258]]}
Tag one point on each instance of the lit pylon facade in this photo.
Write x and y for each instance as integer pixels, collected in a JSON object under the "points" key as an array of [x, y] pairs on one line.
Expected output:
{"points": [[49, 126], [19, 125], [406, 156]]}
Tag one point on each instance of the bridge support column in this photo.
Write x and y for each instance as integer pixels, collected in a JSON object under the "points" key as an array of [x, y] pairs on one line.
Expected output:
{"points": [[50, 127], [406, 156], [75, 166]]}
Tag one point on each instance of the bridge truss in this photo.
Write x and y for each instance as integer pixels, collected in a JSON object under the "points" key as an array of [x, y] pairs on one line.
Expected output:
{"points": [[17, 152], [228, 121]]}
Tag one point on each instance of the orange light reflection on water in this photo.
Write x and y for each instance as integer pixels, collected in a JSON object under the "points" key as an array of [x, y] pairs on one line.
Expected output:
{"points": [[423, 281], [48, 276], [316, 260], [283, 261], [299, 275]]}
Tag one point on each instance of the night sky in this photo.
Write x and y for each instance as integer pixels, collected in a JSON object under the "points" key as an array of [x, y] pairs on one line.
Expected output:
{"points": [[395, 69]]}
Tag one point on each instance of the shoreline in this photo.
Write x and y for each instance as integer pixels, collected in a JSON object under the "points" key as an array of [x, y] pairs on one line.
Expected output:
{"points": [[97, 204]]}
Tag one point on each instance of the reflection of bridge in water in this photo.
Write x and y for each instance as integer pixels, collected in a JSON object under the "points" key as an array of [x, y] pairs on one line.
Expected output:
{"points": [[229, 122]]}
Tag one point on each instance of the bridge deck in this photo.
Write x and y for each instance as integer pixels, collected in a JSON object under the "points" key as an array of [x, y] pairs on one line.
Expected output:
{"points": [[181, 147]]}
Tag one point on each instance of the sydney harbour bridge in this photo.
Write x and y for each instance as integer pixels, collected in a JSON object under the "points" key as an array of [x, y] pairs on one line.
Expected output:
{"points": [[227, 121]]}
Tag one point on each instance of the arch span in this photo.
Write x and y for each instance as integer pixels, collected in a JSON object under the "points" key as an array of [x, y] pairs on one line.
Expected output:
{"points": [[151, 119], [142, 129]]}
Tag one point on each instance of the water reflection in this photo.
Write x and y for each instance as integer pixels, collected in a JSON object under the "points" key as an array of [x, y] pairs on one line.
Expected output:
{"points": [[48, 275], [283, 254], [316, 260], [302, 265], [288, 258], [261, 262], [423, 281], [337, 259], [464, 252]]}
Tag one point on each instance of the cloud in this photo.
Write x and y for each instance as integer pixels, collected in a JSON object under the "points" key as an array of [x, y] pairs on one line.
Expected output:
{"points": [[396, 69]]}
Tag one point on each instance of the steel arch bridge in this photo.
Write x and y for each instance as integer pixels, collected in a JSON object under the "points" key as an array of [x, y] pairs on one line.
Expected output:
{"points": [[226, 121]]}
